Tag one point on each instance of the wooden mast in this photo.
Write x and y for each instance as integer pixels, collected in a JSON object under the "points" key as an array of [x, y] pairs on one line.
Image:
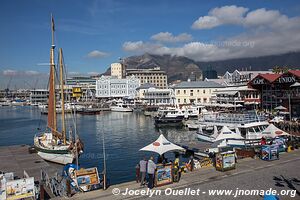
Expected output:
{"points": [[52, 98], [63, 131]]}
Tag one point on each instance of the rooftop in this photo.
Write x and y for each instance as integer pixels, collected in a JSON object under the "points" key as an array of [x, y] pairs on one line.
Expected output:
{"points": [[198, 84]]}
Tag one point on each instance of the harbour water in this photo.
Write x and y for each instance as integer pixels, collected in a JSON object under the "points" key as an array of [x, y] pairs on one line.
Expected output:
{"points": [[124, 134]]}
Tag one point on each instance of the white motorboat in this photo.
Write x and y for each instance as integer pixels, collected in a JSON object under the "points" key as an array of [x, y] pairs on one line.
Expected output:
{"points": [[249, 125], [120, 107]]}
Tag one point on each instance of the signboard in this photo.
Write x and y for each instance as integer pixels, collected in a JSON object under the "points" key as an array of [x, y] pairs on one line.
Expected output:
{"points": [[76, 92], [269, 152], [87, 178], [228, 161], [163, 175], [286, 79], [258, 81], [225, 161], [19, 189]]}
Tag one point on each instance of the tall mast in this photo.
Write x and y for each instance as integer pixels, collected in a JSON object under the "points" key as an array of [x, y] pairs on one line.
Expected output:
{"points": [[52, 98], [62, 95]]}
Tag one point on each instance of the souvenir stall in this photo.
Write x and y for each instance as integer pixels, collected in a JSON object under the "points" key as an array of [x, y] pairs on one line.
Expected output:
{"points": [[164, 173]]}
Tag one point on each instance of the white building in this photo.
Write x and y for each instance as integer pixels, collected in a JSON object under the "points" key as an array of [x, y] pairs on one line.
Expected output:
{"points": [[195, 91], [150, 95], [116, 70], [112, 87]]}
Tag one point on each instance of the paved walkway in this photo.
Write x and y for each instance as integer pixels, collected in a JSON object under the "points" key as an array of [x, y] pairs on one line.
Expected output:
{"points": [[203, 175]]}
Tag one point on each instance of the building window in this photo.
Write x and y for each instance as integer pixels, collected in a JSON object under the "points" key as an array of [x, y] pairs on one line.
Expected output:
{"points": [[184, 100], [178, 100], [203, 91], [178, 91], [199, 100], [184, 92]]}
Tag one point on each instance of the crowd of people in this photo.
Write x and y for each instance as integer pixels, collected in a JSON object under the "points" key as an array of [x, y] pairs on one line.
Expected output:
{"points": [[145, 169]]}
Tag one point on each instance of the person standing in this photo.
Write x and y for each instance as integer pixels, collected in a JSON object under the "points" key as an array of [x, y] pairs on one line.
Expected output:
{"points": [[151, 170], [137, 173], [143, 170]]}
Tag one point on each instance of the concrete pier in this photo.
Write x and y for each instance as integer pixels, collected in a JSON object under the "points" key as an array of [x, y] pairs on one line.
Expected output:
{"points": [[17, 159]]}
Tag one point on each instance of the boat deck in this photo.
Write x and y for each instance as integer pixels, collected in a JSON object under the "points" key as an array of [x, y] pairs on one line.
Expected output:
{"points": [[17, 159], [198, 147]]}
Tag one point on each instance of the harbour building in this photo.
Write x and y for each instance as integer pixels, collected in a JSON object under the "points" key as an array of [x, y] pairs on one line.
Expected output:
{"points": [[279, 90], [154, 76], [113, 87], [39, 96], [117, 70], [189, 92], [148, 94]]}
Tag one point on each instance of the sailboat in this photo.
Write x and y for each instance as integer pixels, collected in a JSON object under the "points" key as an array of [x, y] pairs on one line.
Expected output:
{"points": [[53, 145]]}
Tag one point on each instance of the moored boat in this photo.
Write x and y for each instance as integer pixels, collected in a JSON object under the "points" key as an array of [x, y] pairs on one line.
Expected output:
{"points": [[53, 145]]}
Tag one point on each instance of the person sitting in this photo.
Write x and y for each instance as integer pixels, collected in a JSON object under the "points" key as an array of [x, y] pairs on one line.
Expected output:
{"points": [[263, 141]]}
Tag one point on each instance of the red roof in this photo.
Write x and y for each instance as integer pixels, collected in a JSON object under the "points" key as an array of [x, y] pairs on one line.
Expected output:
{"points": [[270, 77], [295, 72]]}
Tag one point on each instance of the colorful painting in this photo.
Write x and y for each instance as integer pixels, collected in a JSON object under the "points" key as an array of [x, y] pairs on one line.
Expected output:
{"points": [[19, 189], [87, 178], [163, 175], [228, 161]]}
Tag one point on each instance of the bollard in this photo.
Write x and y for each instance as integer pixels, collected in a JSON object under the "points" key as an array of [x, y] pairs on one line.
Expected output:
{"points": [[104, 181]]}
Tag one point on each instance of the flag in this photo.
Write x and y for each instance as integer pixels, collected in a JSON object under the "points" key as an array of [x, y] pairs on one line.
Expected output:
{"points": [[52, 23]]}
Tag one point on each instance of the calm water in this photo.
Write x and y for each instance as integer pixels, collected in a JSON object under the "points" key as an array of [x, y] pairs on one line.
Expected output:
{"points": [[124, 134]]}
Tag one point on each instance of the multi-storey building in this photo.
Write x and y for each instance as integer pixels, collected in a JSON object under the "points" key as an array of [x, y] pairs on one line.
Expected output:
{"points": [[117, 70], [154, 76], [39, 96], [112, 87], [195, 91], [150, 95], [279, 90]]}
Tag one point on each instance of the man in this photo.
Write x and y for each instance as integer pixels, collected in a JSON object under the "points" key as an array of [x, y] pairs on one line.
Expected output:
{"points": [[143, 170], [150, 170]]}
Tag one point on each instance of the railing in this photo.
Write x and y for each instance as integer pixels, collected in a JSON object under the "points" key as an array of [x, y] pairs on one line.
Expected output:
{"points": [[233, 118]]}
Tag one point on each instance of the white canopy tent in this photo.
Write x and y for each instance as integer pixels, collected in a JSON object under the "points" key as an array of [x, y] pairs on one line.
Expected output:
{"points": [[280, 108], [226, 133], [272, 131], [161, 146]]}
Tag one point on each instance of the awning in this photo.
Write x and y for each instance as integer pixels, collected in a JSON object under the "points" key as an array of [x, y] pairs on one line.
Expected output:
{"points": [[230, 93]]}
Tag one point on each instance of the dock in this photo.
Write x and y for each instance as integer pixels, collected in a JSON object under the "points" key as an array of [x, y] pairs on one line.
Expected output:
{"points": [[18, 159]]}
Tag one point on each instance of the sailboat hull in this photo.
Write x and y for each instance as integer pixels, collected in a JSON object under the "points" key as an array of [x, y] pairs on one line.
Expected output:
{"points": [[57, 158]]}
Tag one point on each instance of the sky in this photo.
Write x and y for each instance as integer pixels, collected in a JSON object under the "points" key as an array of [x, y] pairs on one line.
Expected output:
{"points": [[95, 33]]}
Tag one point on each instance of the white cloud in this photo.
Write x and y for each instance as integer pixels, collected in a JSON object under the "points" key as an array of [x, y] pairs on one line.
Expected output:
{"points": [[267, 32], [32, 73], [93, 73], [10, 72], [169, 37], [97, 54], [218, 16]]}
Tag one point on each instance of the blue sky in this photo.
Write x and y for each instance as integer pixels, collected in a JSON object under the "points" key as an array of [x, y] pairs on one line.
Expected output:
{"points": [[95, 33]]}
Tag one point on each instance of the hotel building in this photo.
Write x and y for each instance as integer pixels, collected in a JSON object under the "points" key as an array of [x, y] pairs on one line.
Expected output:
{"points": [[154, 76], [112, 87], [195, 91]]}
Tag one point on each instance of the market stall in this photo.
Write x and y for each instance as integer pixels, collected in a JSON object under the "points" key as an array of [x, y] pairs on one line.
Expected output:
{"points": [[165, 172]]}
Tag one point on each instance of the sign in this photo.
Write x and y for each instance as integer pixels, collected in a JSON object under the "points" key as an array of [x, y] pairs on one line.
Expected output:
{"points": [[225, 161], [269, 152], [258, 81], [20, 189], [76, 92], [163, 175], [287, 79], [87, 179], [206, 162]]}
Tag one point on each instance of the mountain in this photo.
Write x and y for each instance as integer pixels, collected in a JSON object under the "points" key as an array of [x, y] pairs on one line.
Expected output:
{"points": [[180, 68]]}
